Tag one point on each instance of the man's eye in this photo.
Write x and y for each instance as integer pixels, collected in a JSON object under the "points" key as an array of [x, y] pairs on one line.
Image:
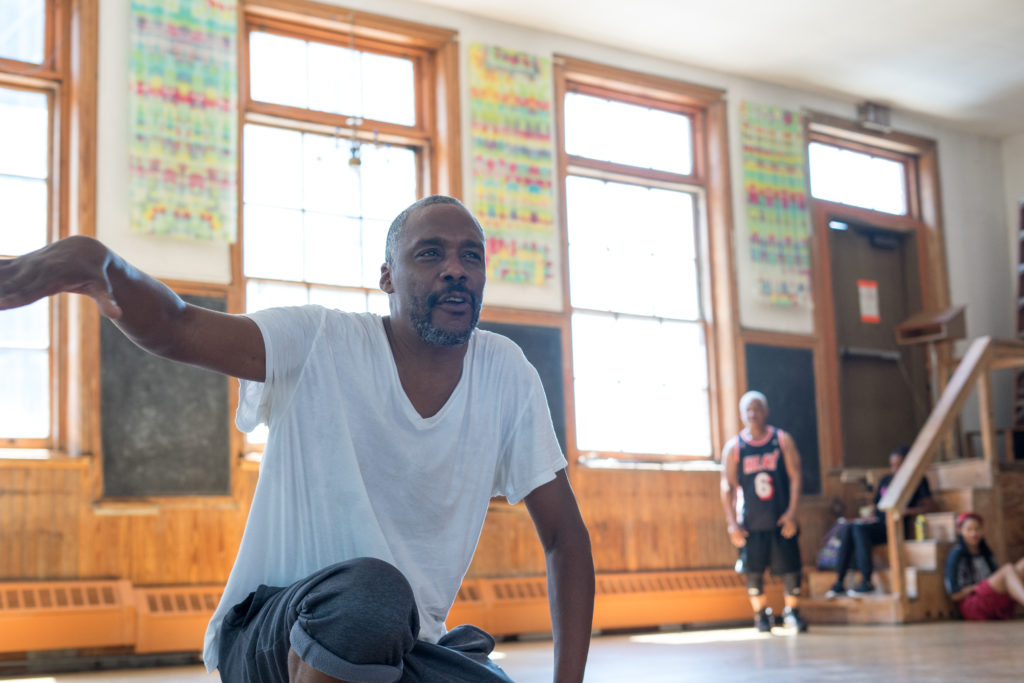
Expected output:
{"points": [[473, 255]]}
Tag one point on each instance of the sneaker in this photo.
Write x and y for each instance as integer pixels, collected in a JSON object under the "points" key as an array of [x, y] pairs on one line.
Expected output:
{"points": [[835, 591], [791, 618], [861, 589], [763, 620]]}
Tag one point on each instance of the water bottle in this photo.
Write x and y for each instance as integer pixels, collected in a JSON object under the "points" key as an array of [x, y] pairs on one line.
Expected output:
{"points": [[920, 527]]}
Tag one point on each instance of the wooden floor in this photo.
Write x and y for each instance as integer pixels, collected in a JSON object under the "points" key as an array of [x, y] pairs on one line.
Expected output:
{"points": [[947, 651]]}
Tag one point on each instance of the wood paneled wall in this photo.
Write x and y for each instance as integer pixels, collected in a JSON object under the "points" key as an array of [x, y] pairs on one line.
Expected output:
{"points": [[50, 528], [639, 520]]}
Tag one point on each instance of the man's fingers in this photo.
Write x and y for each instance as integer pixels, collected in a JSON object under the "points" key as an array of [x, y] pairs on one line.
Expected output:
{"points": [[104, 298], [108, 307]]}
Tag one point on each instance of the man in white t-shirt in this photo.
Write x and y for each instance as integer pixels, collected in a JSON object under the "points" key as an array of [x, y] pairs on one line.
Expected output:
{"points": [[388, 436]]}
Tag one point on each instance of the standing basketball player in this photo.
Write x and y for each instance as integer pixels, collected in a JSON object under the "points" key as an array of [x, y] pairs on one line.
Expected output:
{"points": [[763, 463]]}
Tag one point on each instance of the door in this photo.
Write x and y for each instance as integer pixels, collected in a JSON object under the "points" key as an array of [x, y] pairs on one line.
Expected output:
{"points": [[883, 387]]}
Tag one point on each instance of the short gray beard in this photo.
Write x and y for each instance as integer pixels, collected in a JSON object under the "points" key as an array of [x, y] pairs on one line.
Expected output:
{"points": [[420, 318]]}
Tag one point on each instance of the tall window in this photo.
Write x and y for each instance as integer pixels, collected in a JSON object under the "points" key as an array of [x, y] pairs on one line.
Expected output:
{"points": [[30, 82], [340, 135], [635, 207], [319, 195]]}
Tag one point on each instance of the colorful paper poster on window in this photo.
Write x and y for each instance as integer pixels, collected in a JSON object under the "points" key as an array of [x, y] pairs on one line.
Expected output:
{"points": [[778, 221], [184, 118], [512, 169]]}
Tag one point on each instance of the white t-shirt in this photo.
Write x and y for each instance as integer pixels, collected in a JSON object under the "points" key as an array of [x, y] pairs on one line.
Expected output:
{"points": [[351, 469]]}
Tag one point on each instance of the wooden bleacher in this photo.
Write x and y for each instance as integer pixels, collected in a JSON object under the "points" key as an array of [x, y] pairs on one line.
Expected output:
{"points": [[910, 573]]}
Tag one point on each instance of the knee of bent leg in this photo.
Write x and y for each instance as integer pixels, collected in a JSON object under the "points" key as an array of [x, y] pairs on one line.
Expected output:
{"points": [[362, 610]]}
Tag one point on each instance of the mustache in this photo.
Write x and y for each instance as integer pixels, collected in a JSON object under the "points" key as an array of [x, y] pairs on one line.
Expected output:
{"points": [[432, 299]]}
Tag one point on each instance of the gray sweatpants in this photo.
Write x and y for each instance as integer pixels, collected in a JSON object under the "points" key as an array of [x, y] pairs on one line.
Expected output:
{"points": [[356, 621]]}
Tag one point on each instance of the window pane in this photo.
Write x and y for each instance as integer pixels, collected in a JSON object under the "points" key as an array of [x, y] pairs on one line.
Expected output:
{"points": [[378, 302], [389, 92], [331, 78], [857, 179], [277, 69], [389, 180], [23, 30], [640, 385], [260, 295], [329, 184], [632, 249], [607, 130], [25, 398], [341, 299], [334, 79], [273, 243], [24, 225], [332, 251], [24, 147], [26, 328], [273, 166], [375, 237]]}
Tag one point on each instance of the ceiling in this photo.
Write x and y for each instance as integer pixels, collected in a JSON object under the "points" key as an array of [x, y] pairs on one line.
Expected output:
{"points": [[961, 61]]}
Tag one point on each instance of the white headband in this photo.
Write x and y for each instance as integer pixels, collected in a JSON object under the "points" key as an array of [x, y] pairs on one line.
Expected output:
{"points": [[752, 396]]}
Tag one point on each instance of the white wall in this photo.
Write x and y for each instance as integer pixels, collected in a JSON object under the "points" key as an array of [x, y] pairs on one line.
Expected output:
{"points": [[977, 174], [1013, 183], [163, 257]]}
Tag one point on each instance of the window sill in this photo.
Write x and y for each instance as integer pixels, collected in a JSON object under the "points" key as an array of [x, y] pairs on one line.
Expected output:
{"points": [[40, 457], [596, 462]]}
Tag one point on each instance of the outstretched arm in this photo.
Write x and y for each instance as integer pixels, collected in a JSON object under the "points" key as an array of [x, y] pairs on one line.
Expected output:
{"points": [[146, 310], [570, 567]]}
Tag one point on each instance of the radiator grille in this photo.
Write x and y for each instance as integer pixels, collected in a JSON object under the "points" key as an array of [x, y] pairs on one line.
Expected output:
{"points": [[49, 615], [162, 600], [60, 595]]}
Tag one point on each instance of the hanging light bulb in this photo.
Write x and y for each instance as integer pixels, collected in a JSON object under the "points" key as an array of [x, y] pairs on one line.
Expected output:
{"points": [[354, 159]]}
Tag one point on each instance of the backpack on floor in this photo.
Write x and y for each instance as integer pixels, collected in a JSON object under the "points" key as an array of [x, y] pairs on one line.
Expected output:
{"points": [[828, 556]]}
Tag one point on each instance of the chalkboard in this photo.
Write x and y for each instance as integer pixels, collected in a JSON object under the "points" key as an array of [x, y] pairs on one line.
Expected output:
{"points": [[165, 425], [786, 377], [542, 346]]}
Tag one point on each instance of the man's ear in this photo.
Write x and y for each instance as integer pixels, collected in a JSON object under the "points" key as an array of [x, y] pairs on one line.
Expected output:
{"points": [[385, 279]]}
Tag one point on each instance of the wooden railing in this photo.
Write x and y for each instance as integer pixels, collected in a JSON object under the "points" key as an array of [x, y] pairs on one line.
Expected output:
{"points": [[974, 370]]}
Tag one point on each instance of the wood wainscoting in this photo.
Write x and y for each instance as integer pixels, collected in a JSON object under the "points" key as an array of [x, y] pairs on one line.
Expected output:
{"points": [[659, 540]]}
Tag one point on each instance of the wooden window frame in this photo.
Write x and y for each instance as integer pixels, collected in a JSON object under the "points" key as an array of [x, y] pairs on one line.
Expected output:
{"points": [[710, 175], [68, 74]]}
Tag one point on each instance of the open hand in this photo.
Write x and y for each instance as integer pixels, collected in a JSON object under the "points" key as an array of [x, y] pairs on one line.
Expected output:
{"points": [[75, 264]]}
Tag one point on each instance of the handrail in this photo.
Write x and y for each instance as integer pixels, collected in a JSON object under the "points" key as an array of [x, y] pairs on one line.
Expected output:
{"points": [[983, 355], [941, 420]]}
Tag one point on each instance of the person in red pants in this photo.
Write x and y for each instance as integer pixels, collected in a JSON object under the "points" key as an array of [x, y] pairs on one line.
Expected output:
{"points": [[982, 589]]}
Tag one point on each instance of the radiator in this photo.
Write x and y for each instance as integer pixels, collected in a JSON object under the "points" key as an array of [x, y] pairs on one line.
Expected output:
{"points": [[47, 615]]}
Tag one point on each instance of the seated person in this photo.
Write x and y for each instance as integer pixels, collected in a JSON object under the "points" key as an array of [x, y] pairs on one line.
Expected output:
{"points": [[981, 590], [862, 535]]}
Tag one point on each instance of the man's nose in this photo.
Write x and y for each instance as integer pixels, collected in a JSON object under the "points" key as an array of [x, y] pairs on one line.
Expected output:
{"points": [[453, 269]]}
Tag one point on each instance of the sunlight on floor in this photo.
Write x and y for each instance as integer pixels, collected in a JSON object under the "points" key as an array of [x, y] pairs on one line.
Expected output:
{"points": [[732, 635]]}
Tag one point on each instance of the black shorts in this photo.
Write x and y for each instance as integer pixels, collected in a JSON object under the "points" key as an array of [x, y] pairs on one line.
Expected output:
{"points": [[766, 549]]}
